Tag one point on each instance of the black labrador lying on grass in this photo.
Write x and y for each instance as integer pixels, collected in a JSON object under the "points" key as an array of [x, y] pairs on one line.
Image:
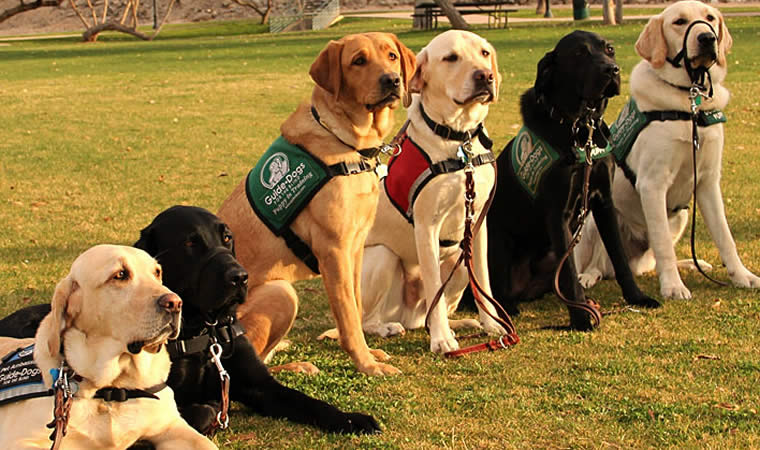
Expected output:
{"points": [[196, 251], [541, 177]]}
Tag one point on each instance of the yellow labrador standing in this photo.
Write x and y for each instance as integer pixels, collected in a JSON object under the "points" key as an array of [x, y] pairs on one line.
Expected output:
{"points": [[653, 197], [420, 228], [110, 318], [359, 81]]}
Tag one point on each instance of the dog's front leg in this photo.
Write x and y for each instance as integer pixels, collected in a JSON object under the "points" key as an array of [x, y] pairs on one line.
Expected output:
{"points": [[606, 222], [480, 267], [338, 278], [654, 204], [710, 201], [442, 339]]}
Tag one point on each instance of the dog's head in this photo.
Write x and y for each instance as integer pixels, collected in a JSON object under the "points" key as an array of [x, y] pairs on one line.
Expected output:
{"points": [[112, 293], [457, 71], [364, 72], [197, 253], [580, 72], [666, 33]]}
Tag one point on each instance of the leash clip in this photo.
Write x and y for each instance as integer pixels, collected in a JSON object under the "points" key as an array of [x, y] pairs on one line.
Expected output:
{"points": [[216, 358], [390, 149]]}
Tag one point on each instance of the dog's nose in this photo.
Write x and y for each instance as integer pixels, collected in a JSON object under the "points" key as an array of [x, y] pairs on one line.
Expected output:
{"points": [[170, 302], [483, 76], [613, 69], [390, 81], [236, 277], [706, 39]]}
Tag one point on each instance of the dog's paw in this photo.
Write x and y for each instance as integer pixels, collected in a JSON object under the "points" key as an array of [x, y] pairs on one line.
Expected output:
{"points": [[490, 326], [332, 333], [355, 423], [385, 329], [297, 367], [580, 320], [378, 369], [745, 279], [590, 278], [444, 345], [379, 355], [645, 301], [677, 290]]}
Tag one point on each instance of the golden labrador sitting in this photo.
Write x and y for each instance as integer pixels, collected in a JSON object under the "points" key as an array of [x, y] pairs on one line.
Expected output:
{"points": [[359, 80], [110, 318], [652, 199], [457, 78]]}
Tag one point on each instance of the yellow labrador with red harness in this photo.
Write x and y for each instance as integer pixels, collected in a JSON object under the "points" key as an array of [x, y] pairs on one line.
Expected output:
{"points": [[421, 212], [110, 318], [653, 183]]}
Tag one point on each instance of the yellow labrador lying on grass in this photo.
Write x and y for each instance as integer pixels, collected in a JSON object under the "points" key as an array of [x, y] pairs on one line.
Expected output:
{"points": [[110, 318], [421, 212], [654, 181]]}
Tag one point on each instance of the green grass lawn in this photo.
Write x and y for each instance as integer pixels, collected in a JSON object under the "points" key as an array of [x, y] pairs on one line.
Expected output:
{"points": [[98, 138]]}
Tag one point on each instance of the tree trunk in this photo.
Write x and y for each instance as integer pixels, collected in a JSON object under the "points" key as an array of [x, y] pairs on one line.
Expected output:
{"points": [[456, 19], [619, 12], [24, 7], [607, 16], [540, 7], [91, 34]]}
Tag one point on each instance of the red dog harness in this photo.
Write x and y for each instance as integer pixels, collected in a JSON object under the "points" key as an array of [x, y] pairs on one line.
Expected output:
{"points": [[412, 169]]}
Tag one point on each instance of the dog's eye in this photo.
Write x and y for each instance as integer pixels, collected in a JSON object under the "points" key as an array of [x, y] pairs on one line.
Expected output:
{"points": [[610, 50], [158, 273], [485, 53], [710, 17], [392, 56], [360, 61], [189, 243], [121, 275], [451, 58], [227, 238], [680, 21]]}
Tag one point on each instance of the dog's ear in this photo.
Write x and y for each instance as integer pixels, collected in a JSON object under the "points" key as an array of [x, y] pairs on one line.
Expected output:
{"points": [[544, 75], [725, 41], [147, 241], [327, 71], [417, 83], [63, 308], [651, 44], [408, 61], [496, 73]]}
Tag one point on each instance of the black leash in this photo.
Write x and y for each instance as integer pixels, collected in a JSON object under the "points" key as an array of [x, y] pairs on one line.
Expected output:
{"points": [[695, 97]]}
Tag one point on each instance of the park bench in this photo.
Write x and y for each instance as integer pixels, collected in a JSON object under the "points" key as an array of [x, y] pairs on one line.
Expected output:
{"points": [[498, 15]]}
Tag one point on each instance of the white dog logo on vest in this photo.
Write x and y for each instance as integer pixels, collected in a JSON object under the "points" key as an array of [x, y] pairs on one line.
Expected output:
{"points": [[275, 169]]}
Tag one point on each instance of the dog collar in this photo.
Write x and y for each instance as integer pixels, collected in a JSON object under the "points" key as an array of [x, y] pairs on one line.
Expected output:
{"points": [[114, 394], [451, 134]]}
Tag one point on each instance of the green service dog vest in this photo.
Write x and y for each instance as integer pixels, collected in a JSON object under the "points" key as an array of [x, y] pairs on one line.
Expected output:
{"points": [[282, 183], [532, 157], [20, 378]]}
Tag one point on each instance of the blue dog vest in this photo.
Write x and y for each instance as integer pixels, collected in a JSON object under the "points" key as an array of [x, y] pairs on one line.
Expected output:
{"points": [[20, 378]]}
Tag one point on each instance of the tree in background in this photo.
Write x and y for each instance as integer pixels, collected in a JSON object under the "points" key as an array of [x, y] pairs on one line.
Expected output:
{"points": [[262, 7], [27, 6]]}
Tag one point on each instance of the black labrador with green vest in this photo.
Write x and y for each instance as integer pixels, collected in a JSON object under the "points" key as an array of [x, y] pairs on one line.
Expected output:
{"points": [[196, 251], [541, 180]]}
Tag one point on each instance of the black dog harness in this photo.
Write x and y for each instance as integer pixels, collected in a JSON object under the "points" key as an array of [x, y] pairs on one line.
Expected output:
{"points": [[224, 332], [411, 169]]}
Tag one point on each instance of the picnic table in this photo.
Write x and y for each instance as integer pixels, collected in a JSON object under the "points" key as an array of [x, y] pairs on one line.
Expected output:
{"points": [[498, 15]]}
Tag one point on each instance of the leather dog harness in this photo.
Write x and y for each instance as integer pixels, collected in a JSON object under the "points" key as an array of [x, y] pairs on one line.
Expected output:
{"points": [[278, 190]]}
